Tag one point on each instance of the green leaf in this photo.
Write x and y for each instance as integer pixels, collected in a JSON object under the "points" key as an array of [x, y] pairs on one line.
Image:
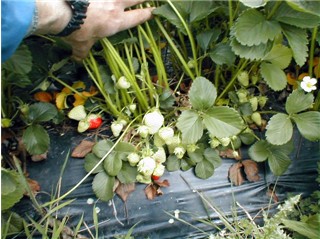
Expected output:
{"points": [[102, 186], [305, 6], [278, 162], [302, 228], [102, 147], [42, 112], [127, 173], [222, 121], [290, 16], [252, 28], [259, 151], [123, 149], [298, 101], [279, 129], [9, 197], [112, 164], [204, 169], [20, 62], [185, 164], [298, 41], [222, 54], [213, 157], [36, 139], [202, 94], [90, 161], [205, 38], [199, 10], [190, 125], [279, 55], [166, 99], [250, 52], [308, 124], [173, 163], [196, 156], [273, 75]]}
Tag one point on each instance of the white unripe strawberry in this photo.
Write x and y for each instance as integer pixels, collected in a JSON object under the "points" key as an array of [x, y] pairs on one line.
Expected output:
{"points": [[243, 78], [116, 128], [132, 107], [153, 120], [159, 170], [256, 118], [146, 166], [77, 113], [254, 103], [123, 83], [143, 131], [83, 125], [160, 155], [166, 133]]}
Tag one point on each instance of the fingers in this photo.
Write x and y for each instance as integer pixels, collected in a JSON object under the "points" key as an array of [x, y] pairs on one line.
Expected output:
{"points": [[130, 3], [135, 17]]}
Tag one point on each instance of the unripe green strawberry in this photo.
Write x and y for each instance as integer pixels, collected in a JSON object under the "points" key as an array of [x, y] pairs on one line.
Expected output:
{"points": [[5, 123], [243, 78], [24, 108], [262, 100], [254, 79], [242, 95], [123, 83], [153, 120], [83, 125], [132, 107], [133, 159], [256, 118], [77, 113], [254, 103], [225, 141], [191, 64], [143, 179]]}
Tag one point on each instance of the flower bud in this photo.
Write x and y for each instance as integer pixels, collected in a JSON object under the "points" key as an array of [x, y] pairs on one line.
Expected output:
{"points": [[133, 159], [143, 131], [153, 120], [160, 155], [166, 133], [179, 152], [146, 166], [123, 83], [214, 142], [116, 128]]}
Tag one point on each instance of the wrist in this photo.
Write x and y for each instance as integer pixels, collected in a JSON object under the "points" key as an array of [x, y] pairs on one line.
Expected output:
{"points": [[53, 16]]}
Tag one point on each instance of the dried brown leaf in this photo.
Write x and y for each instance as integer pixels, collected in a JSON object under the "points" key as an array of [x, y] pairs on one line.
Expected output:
{"points": [[151, 191], [82, 149], [39, 157], [124, 190], [235, 174], [164, 183], [34, 186], [251, 170]]}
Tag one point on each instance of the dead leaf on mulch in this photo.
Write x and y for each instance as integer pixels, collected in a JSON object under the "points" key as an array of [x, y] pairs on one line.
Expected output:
{"points": [[251, 170], [124, 190], [39, 157], [235, 174], [154, 189], [82, 149], [34, 186]]}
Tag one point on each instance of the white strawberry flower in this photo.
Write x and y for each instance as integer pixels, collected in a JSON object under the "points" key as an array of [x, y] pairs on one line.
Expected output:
{"points": [[143, 131], [153, 120], [123, 83], [179, 152], [116, 128], [160, 155], [308, 84], [133, 159], [166, 133], [159, 170], [146, 166]]}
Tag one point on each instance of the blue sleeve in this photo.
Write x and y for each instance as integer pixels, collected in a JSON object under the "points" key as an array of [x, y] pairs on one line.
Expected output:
{"points": [[16, 20]]}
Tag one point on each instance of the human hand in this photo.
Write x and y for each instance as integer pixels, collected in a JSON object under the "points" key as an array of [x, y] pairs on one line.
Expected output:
{"points": [[105, 18]]}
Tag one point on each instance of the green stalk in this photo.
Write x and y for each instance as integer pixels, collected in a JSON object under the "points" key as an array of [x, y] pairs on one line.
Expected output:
{"points": [[126, 72], [190, 36], [312, 47], [232, 81], [230, 14], [175, 49], [274, 9]]}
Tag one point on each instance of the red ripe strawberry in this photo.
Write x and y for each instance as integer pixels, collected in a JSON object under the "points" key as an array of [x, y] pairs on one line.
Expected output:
{"points": [[155, 177], [94, 121]]}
